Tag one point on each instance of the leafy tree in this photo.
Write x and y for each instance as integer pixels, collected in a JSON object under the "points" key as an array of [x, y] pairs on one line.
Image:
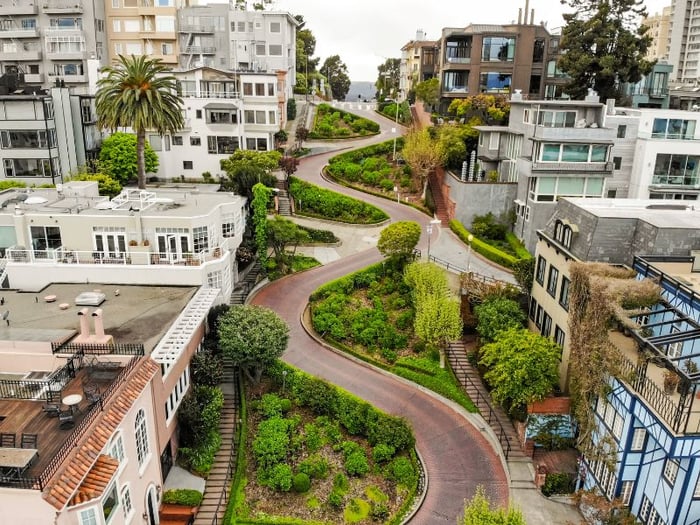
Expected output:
{"points": [[119, 158], [522, 367], [524, 271], [291, 109], [486, 109], [428, 92], [245, 168], [438, 321], [422, 154], [281, 234], [301, 134], [451, 139], [495, 315], [387, 82], [479, 512], [289, 165], [399, 239], [603, 46], [280, 138], [261, 198], [253, 337], [337, 76], [138, 94], [106, 185]]}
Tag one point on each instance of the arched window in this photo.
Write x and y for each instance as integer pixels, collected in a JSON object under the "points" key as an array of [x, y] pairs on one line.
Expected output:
{"points": [[141, 436], [566, 236], [558, 230]]}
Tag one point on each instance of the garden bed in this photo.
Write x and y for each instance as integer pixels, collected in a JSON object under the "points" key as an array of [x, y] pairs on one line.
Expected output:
{"points": [[333, 123]]}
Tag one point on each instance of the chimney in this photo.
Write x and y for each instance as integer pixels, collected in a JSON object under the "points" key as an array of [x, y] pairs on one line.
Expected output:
{"points": [[99, 325], [610, 106], [516, 95], [420, 35], [532, 16], [84, 326], [592, 96], [527, 8], [520, 15]]}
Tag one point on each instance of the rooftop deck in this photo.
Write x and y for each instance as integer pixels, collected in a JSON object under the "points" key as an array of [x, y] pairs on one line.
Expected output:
{"points": [[54, 443]]}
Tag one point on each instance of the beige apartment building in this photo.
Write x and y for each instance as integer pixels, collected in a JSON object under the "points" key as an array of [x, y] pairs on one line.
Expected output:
{"points": [[659, 25]]}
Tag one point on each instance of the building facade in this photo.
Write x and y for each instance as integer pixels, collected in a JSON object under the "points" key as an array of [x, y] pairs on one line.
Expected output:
{"points": [[659, 25], [418, 62], [683, 51], [53, 42]]}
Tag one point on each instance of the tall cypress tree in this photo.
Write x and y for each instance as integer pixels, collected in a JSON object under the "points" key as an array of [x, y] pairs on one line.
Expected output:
{"points": [[603, 46]]}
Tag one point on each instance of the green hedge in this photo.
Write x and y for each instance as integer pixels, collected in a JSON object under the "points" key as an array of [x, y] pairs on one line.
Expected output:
{"points": [[481, 247], [517, 246], [326, 204], [188, 497], [334, 123]]}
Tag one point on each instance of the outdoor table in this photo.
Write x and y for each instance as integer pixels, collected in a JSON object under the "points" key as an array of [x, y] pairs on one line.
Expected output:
{"points": [[16, 458], [72, 401]]}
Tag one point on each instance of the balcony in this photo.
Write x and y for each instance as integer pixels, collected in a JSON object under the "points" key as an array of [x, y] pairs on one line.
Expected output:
{"points": [[62, 6], [53, 54], [37, 78], [200, 50], [20, 54], [194, 28], [676, 181], [597, 167], [63, 30], [454, 90], [19, 32], [25, 9], [587, 134]]}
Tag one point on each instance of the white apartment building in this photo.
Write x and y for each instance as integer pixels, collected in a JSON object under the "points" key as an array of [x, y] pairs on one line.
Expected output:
{"points": [[684, 41], [224, 111], [175, 238]]}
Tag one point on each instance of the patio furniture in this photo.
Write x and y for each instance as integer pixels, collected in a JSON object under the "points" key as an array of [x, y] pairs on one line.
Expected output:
{"points": [[72, 401], [8, 440], [92, 394], [66, 419], [51, 410], [28, 440], [14, 461]]}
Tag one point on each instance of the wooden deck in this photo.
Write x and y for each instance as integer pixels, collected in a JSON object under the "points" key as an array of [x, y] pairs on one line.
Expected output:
{"points": [[21, 415]]}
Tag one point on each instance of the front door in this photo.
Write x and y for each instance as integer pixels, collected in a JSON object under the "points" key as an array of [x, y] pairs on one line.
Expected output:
{"points": [[152, 506]]}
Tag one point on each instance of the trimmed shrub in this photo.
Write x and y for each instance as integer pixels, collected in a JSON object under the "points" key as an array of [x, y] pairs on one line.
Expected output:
{"points": [[479, 246], [313, 438], [401, 470], [271, 444], [301, 483], [336, 499], [272, 405], [356, 463], [315, 467], [188, 497], [279, 477], [382, 453], [558, 483]]}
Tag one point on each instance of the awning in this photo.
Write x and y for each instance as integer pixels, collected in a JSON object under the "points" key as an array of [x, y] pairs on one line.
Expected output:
{"points": [[220, 105]]}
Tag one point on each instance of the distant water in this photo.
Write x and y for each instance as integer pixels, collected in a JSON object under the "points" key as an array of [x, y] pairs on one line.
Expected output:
{"points": [[365, 90]]}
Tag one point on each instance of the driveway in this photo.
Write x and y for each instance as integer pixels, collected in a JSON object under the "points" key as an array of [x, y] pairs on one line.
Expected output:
{"points": [[456, 454]]}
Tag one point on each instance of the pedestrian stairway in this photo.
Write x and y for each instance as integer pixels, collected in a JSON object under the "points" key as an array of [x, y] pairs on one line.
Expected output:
{"points": [[284, 206], [216, 492], [243, 288], [441, 210], [468, 376]]}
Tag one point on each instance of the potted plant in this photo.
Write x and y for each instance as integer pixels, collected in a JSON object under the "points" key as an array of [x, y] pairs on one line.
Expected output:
{"points": [[671, 381], [133, 242], [146, 242]]}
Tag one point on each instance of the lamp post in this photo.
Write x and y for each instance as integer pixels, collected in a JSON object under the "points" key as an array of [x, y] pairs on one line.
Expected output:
{"points": [[469, 252], [429, 230], [284, 380], [396, 189]]}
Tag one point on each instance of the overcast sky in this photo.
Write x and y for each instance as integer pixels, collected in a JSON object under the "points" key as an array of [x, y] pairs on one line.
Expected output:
{"points": [[366, 32]]}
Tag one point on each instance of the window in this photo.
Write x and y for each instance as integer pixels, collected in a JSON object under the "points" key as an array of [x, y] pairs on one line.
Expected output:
{"points": [[671, 470], [538, 316], [455, 81], [275, 27], [275, 50], [546, 324], [498, 49], [259, 90], [165, 24], [621, 131], [556, 119], [110, 502], [116, 450], [559, 336], [260, 50], [116, 26], [563, 233], [156, 142], [644, 509], [553, 152], [495, 82], [673, 129], [222, 145], [639, 436], [271, 117], [177, 140], [248, 89], [88, 517], [532, 311], [241, 27], [195, 141], [493, 140], [538, 50], [696, 492], [126, 501], [222, 117], [458, 51], [541, 266], [564, 293], [617, 163], [611, 194], [187, 165], [676, 169], [132, 26], [166, 49], [141, 435], [270, 89], [198, 113], [552, 281], [674, 349], [626, 492], [200, 236]]}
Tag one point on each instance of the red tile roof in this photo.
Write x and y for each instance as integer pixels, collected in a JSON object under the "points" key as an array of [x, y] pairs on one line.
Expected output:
{"points": [[96, 480], [76, 467]]}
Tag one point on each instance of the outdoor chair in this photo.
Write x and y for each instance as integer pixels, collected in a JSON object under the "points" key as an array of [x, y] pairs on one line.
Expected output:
{"points": [[51, 409], [29, 440], [66, 419], [92, 394], [8, 440]]}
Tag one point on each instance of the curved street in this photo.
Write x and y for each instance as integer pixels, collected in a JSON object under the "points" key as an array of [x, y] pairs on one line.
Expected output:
{"points": [[456, 454]]}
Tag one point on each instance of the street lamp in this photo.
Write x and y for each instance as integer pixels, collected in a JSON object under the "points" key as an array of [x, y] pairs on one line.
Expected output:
{"points": [[284, 380], [396, 189], [429, 230], [469, 252]]}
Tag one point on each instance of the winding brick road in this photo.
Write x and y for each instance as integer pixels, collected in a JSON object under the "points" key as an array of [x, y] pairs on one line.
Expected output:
{"points": [[457, 456]]}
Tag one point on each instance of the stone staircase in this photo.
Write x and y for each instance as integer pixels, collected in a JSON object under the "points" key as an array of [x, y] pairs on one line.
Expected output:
{"points": [[284, 206], [468, 376], [242, 288], [216, 492]]}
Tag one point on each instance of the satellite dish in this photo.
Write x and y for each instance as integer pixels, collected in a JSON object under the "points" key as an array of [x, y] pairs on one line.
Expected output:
{"points": [[36, 200]]}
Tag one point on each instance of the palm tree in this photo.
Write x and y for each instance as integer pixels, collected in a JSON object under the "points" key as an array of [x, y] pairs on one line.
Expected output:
{"points": [[137, 93]]}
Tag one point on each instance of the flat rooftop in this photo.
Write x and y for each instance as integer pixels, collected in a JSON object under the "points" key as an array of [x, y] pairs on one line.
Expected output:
{"points": [[81, 198], [659, 213], [131, 314]]}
